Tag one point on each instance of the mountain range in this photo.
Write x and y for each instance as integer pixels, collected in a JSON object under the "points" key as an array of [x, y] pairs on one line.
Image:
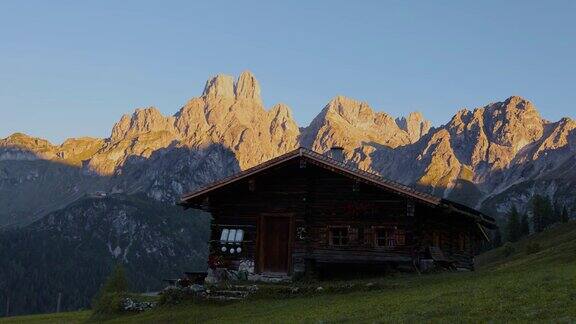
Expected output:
{"points": [[490, 157], [91, 202]]}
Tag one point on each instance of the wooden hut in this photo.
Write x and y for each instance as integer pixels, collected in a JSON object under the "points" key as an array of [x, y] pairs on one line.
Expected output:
{"points": [[303, 209]]}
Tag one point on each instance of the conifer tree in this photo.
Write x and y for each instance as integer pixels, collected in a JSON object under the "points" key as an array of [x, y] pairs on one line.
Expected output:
{"points": [[109, 299], [542, 213], [548, 210], [556, 214], [525, 225], [497, 239], [513, 227], [564, 218]]}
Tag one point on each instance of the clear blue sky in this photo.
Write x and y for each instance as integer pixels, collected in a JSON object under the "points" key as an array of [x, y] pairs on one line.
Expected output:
{"points": [[72, 68]]}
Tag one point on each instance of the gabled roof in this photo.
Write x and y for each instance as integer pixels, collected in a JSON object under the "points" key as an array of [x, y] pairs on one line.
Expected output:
{"points": [[335, 165]]}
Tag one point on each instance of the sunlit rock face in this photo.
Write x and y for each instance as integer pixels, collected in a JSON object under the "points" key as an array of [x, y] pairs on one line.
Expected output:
{"points": [[349, 123], [147, 120], [475, 157], [361, 131], [23, 147], [238, 121], [224, 130], [487, 140], [229, 113], [415, 125]]}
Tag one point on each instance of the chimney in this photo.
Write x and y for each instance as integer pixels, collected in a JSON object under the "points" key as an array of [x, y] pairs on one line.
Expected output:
{"points": [[337, 153]]}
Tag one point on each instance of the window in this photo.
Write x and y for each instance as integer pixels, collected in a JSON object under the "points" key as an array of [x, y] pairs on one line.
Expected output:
{"points": [[400, 237], [339, 236], [231, 239], [390, 237], [231, 235], [224, 235], [385, 237], [239, 236]]}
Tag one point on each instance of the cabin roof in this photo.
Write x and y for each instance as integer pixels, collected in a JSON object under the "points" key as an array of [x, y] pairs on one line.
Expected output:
{"points": [[347, 169]]}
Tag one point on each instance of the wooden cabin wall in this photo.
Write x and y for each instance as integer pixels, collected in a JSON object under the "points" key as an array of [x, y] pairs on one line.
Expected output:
{"points": [[336, 200], [451, 229], [318, 200], [241, 204]]}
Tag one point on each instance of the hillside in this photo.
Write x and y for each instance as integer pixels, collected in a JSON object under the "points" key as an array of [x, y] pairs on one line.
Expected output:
{"points": [[531, 284], [71, 251]]}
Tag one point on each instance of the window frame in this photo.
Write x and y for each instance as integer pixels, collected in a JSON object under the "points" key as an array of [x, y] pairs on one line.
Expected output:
{"points": [[392, 235], [345, 237]]}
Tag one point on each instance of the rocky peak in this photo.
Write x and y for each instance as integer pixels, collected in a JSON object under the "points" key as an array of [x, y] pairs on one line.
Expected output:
{"points": [[415, 125], [518, 103], [142, 121], [76, 150], [351, 110], [247, 87], [23, 140], [461, 117], [224, 86], [228, 113], [281, 116], [442, 166], [220, 86], [560, 136], [19, 146], [280, 111], [496, 132], [352, 124], [513, 123]]}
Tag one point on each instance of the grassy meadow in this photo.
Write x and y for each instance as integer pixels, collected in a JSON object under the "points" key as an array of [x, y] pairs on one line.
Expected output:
{"points": [[531, 280]]}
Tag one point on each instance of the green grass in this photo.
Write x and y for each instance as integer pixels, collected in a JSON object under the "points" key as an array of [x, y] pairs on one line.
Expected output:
{"points": [[69, 317], [535, 286]]}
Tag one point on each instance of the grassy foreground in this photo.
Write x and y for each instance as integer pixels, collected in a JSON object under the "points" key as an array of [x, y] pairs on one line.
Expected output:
{"points": [[69, 317], [533, 283]]}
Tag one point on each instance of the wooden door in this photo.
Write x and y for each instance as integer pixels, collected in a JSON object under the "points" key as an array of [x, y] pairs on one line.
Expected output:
{"points": [[274, 236]]}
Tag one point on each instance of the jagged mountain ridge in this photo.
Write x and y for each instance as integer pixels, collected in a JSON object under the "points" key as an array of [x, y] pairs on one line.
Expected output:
{"points": [[474, 157]]}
